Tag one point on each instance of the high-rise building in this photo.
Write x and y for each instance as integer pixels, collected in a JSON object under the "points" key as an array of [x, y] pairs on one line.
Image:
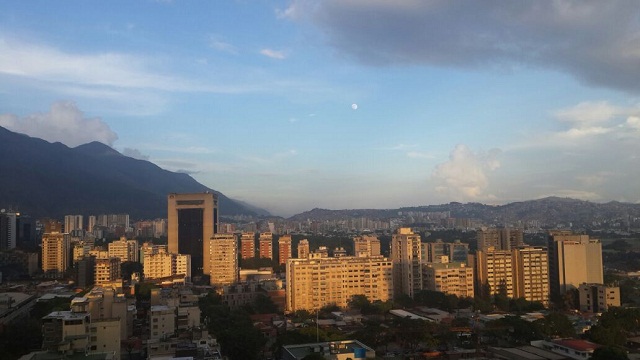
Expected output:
{"points": [[318, 281], [532, 273], [450, 278], [366, 245], [458, 251], [107, 270], [192, 221], [123, 249], [303, 249], [284, 249], [72, 222], [55, 253], [265, 243], [8, 230], [223, 257], [495, 272], [406, 255], [248, 245], [158, 263], [597, 298], [499, 238], [573, 259], [435, 251], [92, 223]]}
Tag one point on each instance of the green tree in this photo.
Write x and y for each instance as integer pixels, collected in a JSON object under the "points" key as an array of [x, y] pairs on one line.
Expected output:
{"points": [[362, 303], [263, 304], [609, 353], [555, 325]]}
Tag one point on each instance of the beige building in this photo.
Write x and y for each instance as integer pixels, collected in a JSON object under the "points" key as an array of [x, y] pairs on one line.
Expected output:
{"points": [[284, 249], [162, 321], [55, 253], [573, 259], [318, 281], [266, 245], [107, 270], [248, 245], [125, 250], [450, 278], [597, 298], [158, 263], [192, 221], [495, 269], [366, 245], [532, 274], [499, 238], [303, 249], [406, 254], [223, 266]]}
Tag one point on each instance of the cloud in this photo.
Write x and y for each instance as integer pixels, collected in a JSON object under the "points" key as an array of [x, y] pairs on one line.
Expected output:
{"points": [[274, 54], [64, 123], [589, 112], [597, 118], [134, 153], [218, 43], [596, 41], [464, 176]]}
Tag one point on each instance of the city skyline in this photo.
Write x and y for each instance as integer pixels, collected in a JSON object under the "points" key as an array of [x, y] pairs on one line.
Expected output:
{"points": [[292, 105]]}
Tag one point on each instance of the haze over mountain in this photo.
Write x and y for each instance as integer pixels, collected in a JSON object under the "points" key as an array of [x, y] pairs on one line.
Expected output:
{"points": [[50, 179]]}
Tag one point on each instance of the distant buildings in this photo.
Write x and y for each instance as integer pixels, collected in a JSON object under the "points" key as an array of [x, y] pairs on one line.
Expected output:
{"points": [[265, 243], [123, 249], [499, 238], [55, 253], [192, 221], [303, 249], [366, 245], [284, 249]]}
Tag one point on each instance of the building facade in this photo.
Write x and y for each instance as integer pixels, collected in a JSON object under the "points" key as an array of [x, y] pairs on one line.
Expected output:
{"points": [[406, 254], [366, 245], [192, 221], [223, 257], [454, 278], [597, 298], [284, 249], [247, 245], [266, 245], [318, 281], [303, 249], [55, 253], [125, 250], [573, 259]]}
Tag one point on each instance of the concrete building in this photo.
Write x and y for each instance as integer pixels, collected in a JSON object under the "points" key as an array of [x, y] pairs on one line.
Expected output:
{"points": [[223, 257], [125, 250], [434, 251], [162, 321], [318, 281], [72, 223], [158, 263], [406, 255], [597, 298], [192, 221], [454, 278], [303, 249], [66, 331], [573, 259], [107, 270], [248, 245], [532, 274], [458, 251], [499, 238], [334, 350], [494, 268], [55, 253], [8, 230], [284, 249], [366, 245], [266, 245]]}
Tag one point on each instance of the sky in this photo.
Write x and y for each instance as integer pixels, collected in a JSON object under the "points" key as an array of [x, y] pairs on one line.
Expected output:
{"points": [[340, 104]]}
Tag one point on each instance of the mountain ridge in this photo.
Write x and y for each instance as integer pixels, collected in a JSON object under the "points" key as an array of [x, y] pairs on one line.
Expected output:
{"points": [[51, 179]]}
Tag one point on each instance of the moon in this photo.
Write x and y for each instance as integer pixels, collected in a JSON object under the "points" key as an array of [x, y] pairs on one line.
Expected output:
{"points": [[354, 106]]}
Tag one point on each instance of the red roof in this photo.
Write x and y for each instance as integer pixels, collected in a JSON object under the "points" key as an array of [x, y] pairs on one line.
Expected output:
{"points": [[577, 344]]}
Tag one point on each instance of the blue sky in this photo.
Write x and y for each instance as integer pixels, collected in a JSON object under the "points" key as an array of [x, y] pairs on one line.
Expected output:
{"points": [[291, 105]]}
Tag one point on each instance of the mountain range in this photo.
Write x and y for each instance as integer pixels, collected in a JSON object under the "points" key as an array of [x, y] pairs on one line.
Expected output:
{"points": [[51, 179]]}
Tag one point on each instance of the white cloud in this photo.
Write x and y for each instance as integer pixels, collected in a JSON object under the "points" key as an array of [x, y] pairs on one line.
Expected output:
{"points": [[218, 43], [596, 41], [464, 176], [274, 54], [589, 112], [64, 123]]}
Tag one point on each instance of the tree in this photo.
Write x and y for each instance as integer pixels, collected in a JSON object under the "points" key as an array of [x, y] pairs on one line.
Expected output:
{"points": [[609, 353], [362, 303], [555, 325], [263, 304]]}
